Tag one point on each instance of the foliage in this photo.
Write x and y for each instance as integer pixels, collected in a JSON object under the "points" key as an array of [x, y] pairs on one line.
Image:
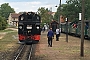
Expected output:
{"points": [[87, 10], [45, 16], [72, 8], [5, 10], [3, 23], [56, 16]]}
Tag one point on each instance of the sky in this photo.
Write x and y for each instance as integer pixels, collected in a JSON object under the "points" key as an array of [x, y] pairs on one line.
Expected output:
{"points": [[32, 5]]}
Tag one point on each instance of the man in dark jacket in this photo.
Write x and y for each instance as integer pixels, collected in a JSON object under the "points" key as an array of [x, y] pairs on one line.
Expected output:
{"points": [[50, 36]]}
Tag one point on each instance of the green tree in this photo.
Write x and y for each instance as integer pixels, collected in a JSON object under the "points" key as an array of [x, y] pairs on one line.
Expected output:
{"points": [[5, 10], [45, 16], [87, 10], [3, 23], [56, 16], [72, 8]]}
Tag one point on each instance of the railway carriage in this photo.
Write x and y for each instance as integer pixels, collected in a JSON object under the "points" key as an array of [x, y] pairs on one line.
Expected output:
{"points": [[86, 28], [29, 30], [63, 28], [74, 28]]}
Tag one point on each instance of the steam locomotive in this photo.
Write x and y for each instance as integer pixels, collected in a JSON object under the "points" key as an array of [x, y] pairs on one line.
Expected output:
{"points": [[54, 25], [29, 30]]}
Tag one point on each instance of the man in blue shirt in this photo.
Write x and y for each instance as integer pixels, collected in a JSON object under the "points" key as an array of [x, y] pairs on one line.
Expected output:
{"points": [[50, 36]]}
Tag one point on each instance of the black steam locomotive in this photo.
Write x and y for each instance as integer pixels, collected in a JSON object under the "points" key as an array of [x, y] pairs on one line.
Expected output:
{"points": [[29, 30], [54, 25]]}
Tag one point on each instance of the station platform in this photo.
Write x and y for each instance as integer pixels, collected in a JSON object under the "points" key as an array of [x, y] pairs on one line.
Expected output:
{"points": [[62, 50]]}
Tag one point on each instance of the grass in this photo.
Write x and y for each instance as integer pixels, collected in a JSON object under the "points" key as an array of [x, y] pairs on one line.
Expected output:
{"points": [[6, 30], [8, 41]]}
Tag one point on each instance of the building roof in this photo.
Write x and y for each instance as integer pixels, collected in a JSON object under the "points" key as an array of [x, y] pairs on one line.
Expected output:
{"points": [[15, 15], [51, 12]]}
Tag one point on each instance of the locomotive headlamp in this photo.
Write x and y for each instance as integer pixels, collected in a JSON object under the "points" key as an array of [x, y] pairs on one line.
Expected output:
{"points": [[37, 27], [20, 27], [22, 18], [29, 27]]}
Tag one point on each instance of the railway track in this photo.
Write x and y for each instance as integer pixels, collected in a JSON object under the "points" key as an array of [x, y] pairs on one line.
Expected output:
{"points": [[24, 52]]}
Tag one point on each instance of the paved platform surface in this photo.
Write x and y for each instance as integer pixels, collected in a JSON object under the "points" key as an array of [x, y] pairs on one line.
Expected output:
{"points": [[61, 50]]}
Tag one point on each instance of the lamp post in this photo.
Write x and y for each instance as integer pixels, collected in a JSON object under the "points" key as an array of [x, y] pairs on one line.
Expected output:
{"points": [[66, 29], [51, 13], [59, 13]]}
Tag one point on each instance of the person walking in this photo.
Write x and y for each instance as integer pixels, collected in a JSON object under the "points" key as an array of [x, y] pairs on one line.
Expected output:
{"points": [[57, 34], [50, 36], [43, 29]]}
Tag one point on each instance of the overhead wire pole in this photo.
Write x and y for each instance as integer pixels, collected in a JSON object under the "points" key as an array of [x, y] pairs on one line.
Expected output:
{"points": [[67, 30], [59, 13], [82, 28], [51, 13]]}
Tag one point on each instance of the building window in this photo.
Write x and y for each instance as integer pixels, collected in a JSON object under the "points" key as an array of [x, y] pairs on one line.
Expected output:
{"points": [[14, 19]]}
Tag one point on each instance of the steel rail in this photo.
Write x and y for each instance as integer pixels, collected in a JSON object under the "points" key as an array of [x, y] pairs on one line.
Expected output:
{"points": [[30, 53], [19, 53]]}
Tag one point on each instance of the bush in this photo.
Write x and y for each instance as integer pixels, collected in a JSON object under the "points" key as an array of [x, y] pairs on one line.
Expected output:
{"points": [[3, 23]]}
